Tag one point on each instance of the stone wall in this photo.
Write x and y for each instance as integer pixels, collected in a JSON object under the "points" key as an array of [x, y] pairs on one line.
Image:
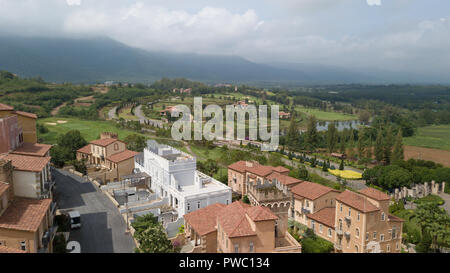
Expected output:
{"points": [[418, 190]]}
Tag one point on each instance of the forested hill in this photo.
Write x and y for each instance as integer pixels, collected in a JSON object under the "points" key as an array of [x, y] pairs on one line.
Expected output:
{"points": [[102, 59]]}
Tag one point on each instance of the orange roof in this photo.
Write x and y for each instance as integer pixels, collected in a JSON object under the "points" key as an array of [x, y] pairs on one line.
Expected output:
{"points": [[119, 157], [311, 190], [261, 170], [3, 187], [280, 169], [26, 114], [85, 150], [375, 194], [27, 163], [239, 166], [233, 218], [284, 179], [324, 216], [104, 142], [394, 218], [25, 214], [4, 249], [4, 107], [34, 149], [356, 201], [203, 220]]}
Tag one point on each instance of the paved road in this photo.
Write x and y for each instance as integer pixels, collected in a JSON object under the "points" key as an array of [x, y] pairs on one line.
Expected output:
{"points": [[103, 228], [142, 118], [112, 113], [446, 198]]}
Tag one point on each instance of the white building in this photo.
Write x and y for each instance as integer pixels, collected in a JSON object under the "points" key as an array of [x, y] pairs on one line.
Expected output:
{"points": [[174, 176]]}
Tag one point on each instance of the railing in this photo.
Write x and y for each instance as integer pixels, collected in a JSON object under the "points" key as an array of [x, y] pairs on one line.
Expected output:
{"points": [[306, 211], [348, 218], [347, 234], [338, 246], [339, 231]]}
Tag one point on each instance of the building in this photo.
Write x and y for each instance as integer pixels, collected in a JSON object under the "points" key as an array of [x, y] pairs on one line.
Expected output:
{"points": [[363, 223], [242, 172], [310, 198], [26, 121], [11, 136], [182, 90], [174, 177], [108, 158], [284, 115], [172, 110], [235, 228]]}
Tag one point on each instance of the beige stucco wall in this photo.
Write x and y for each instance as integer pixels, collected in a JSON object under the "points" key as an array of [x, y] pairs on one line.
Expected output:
{"points": [[29, 129], [110, 149], [237, 186], [26, 184]]}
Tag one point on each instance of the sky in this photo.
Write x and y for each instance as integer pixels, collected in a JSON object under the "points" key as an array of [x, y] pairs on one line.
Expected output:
{"points": [[397, 35]]}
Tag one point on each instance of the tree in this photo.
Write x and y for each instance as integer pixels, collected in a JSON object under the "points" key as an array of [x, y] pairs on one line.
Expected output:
{"points": [[387, 146], [312, 136], [135, 142], [435, 221], [332, 137], [379, 146], [72, 141], [398, 153], [342, 143], [303, 173], [325, 167], [364, 116], [245, 199], [292, 137], [351, 147], [209, 167], [154, 240], [369, 150], [361, 147], [341, 166]]}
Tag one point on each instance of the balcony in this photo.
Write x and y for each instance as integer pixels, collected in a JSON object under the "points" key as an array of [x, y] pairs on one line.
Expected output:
{"points": [[338, 246], [348, 219], [347, 234], [339, 232], [305, 211]]}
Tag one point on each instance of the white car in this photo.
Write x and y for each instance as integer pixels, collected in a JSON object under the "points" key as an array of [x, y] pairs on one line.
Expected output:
{"points": [[75, 219]]}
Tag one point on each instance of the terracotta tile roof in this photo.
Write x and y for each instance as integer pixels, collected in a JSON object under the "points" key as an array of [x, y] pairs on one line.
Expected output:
{"points": [[280, 169], [204, 220], [3, 188], [356, 201], [34, 149], [85, 150], [394, 218], [284, 179], [311, 190], [4, 250], [239, 166], [104, 142], [25, 214], [4, 107], [324, 216], [261, 170], [233, 218], [26, 114], [119, 157], [27, 163], [258, 213], [375, 194]]}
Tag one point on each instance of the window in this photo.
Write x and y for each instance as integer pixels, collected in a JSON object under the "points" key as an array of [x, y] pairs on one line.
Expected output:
{"points": [[320, 228], [394, 233], [227, 201], [341, 208], [349, 212], [357, 232], [381, 237], [359, 214], [116, 147], [198, 204], [397, 246], [188, 206], [307, 203], [312, 224], [367, 236], [374, 235], [236, 248], [23, 245], [329, 232], [382, 216], [251, 247], [356, 249], [388, 248]]}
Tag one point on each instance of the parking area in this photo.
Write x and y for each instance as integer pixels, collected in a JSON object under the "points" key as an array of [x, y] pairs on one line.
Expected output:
{"points": [[103, 228]]}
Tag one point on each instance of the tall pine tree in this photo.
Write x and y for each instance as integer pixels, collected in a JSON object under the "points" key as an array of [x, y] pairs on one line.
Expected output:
{"points": [[332, 137], [379, 146], [398, 153], [387, 146]]}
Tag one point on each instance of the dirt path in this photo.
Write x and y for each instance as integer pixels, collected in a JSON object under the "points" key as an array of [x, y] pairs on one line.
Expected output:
{"points": [[56, 110]]}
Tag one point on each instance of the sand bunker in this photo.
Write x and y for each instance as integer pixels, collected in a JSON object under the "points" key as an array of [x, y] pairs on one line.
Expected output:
{"points": [[62, 121], [50, 123]]}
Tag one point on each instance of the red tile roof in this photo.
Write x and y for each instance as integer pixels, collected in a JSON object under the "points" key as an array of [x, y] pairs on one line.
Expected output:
{"points": [[356, 201], [233, 219], [4, 250], [324, 216], [375, 194], [27, 163], [239, 166], [311, 190], [395, 218], [204, 220], [284, 179], [261, 170], [25, 214], [4, 107], [26, 114], [3, 188], [85, 150], [119, 157], [33, 149], [104, 142], [280, 169]]}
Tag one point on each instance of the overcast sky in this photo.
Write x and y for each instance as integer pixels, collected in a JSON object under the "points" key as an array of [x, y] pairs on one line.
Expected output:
{"points": [[401, 35]]}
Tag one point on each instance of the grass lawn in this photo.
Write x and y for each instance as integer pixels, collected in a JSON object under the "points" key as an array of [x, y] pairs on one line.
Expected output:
{"points": [[89, 129], [430, 198], [435, 136], [125, 113], [322, 115]]}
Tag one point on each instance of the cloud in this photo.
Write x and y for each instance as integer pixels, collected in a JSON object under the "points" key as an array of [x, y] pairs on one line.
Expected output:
{"points": [[374, 2], [73, 2]]}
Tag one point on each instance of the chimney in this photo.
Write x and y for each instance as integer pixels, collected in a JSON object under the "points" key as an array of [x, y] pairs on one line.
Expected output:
{"points": [[105, 135]]}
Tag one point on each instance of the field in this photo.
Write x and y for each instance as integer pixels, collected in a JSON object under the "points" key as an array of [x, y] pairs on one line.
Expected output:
{"points": [[438, 156], [436, 136], [322, 115], [90, 130], [347, 174], [125, 113]]}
